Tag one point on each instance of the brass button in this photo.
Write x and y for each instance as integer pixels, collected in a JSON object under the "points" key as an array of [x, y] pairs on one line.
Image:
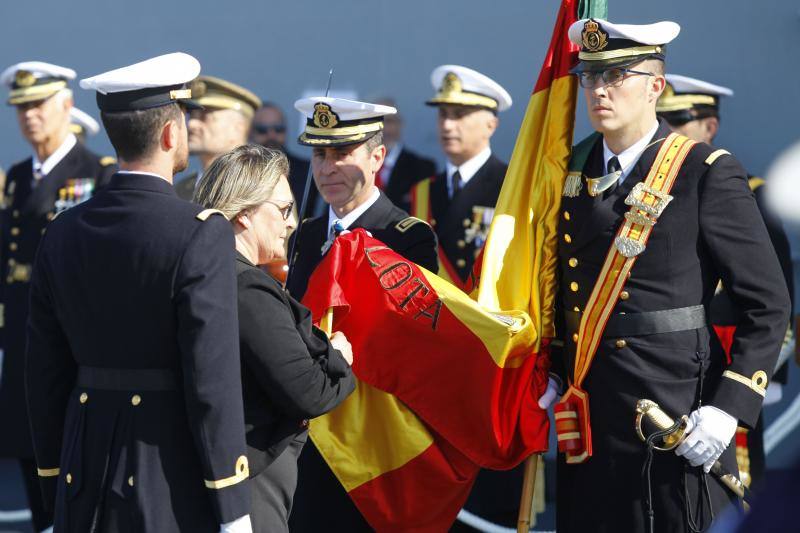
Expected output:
{"points": [[573, 286], [574, 337], [15, 213], [84, 397], [467, 222], [573, 262], [12, 246], [567, 238], [576, 309], [624, 295], [461, 243], [69, 478], [566, 215], [130, 481], [136, 399], [621, 343], [14, 231], [460, 263]]}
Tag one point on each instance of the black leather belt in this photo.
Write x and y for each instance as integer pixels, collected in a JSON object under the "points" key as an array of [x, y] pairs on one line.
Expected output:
{"points": [[648, 323], [127, 379]]}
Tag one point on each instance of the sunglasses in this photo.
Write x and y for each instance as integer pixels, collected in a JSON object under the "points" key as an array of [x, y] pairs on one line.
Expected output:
{"points": [[263, 129]]}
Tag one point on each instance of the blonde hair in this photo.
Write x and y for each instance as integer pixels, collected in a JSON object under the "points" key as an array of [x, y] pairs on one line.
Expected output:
{"points": [[241, 179]]}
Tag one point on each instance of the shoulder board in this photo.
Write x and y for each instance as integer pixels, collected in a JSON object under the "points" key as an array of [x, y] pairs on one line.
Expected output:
{"points": [[755, 182], [203, 215], [405, 224], [716, 154], [108, 160]]}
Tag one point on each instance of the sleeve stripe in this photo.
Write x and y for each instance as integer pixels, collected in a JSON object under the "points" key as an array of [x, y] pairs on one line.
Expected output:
{"points": [[242, 473]]}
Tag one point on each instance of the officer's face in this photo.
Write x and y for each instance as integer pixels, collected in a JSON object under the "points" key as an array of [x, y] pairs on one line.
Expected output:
{"points": [[44, 120], [345, 175], [619, 108], [269, 230], [464, 131], [216, 131], [269, 128]]}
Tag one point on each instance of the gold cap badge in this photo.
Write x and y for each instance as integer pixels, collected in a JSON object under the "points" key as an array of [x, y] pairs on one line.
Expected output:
{"points": [[324, 117], [451, 84], [24, 78], [198, 88], [593, 38]]}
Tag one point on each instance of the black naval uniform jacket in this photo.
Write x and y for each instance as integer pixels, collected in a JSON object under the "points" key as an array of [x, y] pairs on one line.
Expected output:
{"points": [[408, 169], [290, 371], [321, 503], [462, 223], [132, 370], [410, 237], [711, 230], [28, 211]]}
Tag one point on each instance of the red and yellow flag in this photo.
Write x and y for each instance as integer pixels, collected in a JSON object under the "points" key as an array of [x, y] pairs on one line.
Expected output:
{"points": [[518, 270], [444, 387]]}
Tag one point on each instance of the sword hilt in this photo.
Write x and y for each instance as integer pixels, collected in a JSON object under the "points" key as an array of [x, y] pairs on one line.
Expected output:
{"points": [[655, 415]]}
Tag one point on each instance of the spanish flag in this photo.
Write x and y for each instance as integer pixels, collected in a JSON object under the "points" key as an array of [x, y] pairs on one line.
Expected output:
{"points": [[444, 387], [518, 267]]}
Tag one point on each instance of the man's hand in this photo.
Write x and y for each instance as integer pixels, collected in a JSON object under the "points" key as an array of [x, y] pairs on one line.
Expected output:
{"points": [[710, 432], [551, 394], [340, 342]]}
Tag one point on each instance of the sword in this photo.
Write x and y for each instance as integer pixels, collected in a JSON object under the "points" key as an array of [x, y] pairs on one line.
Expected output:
{"points": [[650, 411]]}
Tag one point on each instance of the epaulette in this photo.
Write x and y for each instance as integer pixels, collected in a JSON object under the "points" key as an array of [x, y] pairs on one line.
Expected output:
{"points": [[204, 214], [407, 223], [107, 160], [755, 182], [716, 154]]}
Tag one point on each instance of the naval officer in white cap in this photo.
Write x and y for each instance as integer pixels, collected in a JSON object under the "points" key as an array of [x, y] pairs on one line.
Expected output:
{"points": [[346, 138], [651, 222], [60, 172], [459, 202], [133, 378], [692, 108]]}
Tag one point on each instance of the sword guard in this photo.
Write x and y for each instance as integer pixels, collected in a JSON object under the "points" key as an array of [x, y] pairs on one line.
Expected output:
{"points": [[650, 410]]}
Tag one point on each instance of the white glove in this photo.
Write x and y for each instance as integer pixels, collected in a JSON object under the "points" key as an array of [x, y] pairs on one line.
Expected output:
{"points": [[550, 395], [710, 432], [240, 525]]}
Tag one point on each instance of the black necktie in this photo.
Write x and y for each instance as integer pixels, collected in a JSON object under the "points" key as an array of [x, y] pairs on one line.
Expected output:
{"points": [[457, 183], [612, 166]]}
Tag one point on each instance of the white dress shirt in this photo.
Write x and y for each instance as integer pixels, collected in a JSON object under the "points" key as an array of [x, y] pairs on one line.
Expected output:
{"points": [[353, 215], [628, 157], [43, 168], [466, 170], [141, 172]]}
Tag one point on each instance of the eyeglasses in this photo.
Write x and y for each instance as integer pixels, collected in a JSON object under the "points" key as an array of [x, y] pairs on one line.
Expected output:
{"points": [[612, 77], [263, 129], [285, 210]]}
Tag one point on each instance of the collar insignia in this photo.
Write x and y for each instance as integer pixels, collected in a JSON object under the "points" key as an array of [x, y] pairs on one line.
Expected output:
{"points": [[593, 37], [324, 117]]}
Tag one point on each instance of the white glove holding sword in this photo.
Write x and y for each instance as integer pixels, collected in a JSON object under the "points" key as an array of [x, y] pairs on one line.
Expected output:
{"points": [[710, 431]]}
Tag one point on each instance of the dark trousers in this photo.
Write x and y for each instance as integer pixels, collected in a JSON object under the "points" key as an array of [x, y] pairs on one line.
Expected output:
{"points": [[41, 518], [273, 490]]}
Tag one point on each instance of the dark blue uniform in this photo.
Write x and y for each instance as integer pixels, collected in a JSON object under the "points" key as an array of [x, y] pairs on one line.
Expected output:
{"points": [[28, 211], [711, 230], [132, 370]]}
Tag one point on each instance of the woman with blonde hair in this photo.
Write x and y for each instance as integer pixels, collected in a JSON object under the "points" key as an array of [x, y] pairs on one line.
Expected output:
{"points": [[291, 371]]}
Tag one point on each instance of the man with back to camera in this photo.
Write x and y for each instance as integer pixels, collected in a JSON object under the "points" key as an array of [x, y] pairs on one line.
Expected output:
{"points": [[346, 138], [645, 233], [132, 370], [61, 173]]}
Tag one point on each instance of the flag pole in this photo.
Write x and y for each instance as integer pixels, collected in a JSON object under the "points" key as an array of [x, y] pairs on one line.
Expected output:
{"points": [[528, 486], [326, 322]]}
